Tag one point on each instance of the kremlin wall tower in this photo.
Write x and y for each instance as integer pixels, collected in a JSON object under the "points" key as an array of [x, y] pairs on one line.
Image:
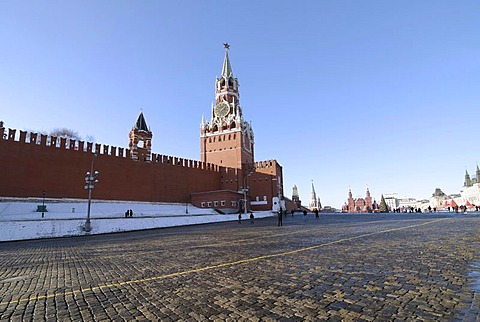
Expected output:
{"points": [[225, 178]]}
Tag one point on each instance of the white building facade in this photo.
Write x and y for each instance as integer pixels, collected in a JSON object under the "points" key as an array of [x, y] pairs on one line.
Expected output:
{"points": [[404, 204], [470, 191]]}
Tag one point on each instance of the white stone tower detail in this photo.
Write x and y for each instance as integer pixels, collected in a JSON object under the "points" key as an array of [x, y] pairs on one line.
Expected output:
{"points": [[313, 199]]}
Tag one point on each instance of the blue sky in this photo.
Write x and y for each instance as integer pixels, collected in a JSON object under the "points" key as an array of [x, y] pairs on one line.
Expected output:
{"points": [[383, 94]]}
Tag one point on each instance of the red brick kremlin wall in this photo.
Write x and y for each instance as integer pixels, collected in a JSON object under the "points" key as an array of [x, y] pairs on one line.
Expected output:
{"points": [[264, 182], [31, 163]]}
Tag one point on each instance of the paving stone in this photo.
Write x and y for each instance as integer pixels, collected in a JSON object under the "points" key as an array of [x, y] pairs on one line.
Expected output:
{"points": [[402, 267]]}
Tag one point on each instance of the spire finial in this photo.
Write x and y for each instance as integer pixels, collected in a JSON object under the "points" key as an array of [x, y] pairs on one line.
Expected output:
{"points": [[226, 68]]}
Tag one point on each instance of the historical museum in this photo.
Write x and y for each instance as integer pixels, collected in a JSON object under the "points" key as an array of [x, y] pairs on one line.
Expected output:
{"points": [[366, 204]]}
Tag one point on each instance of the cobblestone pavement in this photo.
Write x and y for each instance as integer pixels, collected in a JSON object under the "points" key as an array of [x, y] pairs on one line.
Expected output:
{"points": [[339, 267]]}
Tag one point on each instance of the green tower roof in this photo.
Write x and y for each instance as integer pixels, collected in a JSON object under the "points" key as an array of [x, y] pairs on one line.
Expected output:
{"points": [[141, 123]]}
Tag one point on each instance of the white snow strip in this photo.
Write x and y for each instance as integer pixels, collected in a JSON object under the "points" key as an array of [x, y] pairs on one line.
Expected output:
{"points": [[19, 219]]}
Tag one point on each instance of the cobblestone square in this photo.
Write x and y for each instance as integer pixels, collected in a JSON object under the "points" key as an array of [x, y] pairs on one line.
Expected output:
{"points": [[376, 267]]}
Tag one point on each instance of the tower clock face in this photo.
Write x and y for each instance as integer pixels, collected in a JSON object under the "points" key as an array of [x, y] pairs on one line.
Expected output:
{"points": [[222, 109]]}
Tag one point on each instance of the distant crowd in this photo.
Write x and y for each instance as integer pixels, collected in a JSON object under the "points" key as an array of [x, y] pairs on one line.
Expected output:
{"points": [[456, 209]]}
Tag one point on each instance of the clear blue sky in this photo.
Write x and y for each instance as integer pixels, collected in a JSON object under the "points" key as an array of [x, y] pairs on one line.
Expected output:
{"points": [[383, 94]]}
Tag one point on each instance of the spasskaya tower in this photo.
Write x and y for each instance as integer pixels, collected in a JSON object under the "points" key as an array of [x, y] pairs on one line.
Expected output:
{"points": [[227, 139]]}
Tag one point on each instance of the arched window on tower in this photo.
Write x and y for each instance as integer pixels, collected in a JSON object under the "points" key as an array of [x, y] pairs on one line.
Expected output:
{"points": [[215, 128], [140, 144], [233, 125], [230, 83]]}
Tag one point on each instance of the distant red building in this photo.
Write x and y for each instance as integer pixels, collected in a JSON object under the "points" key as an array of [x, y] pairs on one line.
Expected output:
{"points": [[359, 204]]}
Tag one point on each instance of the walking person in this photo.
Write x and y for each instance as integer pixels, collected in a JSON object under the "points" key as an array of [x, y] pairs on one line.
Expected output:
{"points": [[240, 218], [316, 213], [280, 217], [251, 217]]}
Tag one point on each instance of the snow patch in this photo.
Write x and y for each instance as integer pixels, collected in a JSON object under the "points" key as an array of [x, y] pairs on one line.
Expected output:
{"points": [[19, 219]]}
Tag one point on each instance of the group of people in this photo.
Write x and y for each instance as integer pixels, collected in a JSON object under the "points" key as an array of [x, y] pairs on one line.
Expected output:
{"points": [[240, 218], [462, 208], [129, 213], [281, 213], [456, 208]]}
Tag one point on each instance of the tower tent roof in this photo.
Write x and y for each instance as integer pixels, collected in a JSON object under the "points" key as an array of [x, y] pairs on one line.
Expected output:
{"points": [[141, 123], [227, 68], [295, 191]]}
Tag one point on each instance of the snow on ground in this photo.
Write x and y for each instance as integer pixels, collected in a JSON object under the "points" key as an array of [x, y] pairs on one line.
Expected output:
{"points": [[20, 220]]}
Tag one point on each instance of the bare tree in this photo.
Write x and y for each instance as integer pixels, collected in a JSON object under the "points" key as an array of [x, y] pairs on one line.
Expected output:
{"points": [[65, 133]]}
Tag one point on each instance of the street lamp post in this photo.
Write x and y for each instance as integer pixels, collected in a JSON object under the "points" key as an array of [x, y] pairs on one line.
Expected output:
{"points": [[90, 182], [245, 200], [245, 189], [43, 203], [186, 205]]}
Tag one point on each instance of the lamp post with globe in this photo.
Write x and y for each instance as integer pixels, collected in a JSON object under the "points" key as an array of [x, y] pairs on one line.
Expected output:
{"points": [[245, 189], [43, 203], [90, 182]]}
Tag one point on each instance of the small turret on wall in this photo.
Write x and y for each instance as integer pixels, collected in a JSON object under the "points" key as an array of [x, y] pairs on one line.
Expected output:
{"points": [[140, 140], [2, 131]]}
